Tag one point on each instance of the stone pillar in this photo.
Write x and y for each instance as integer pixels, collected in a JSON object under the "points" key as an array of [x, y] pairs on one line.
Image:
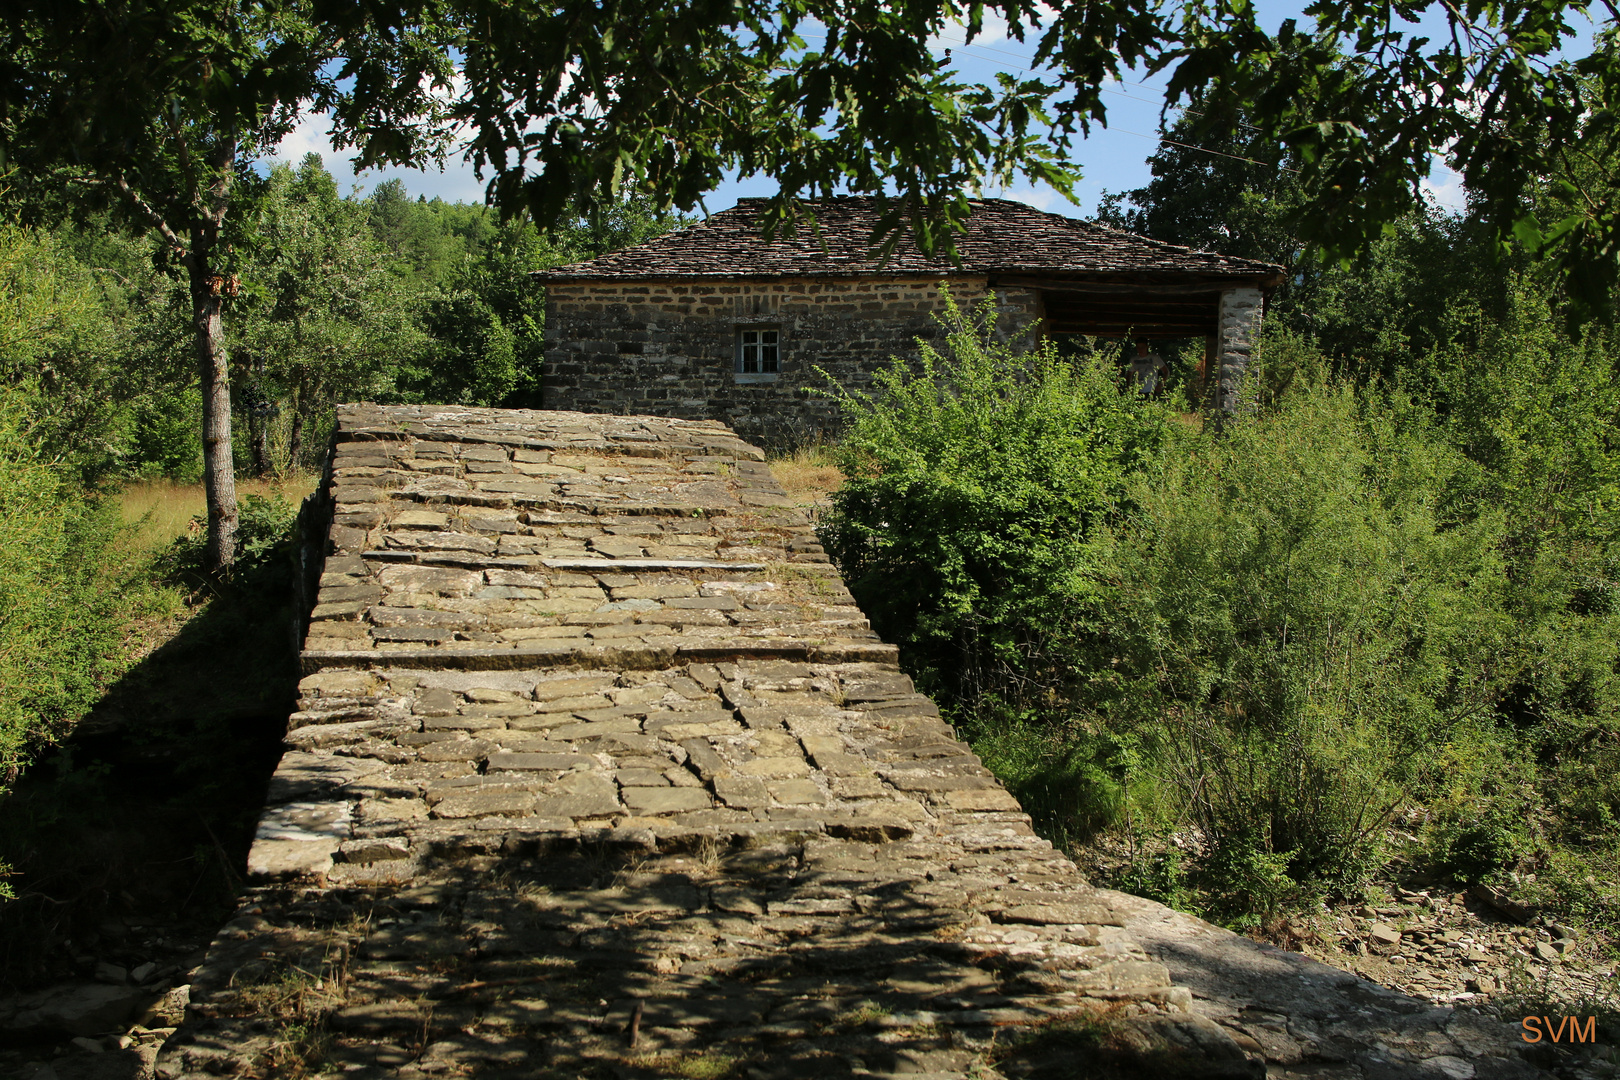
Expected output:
{"points": [[1237, 338], [1020, 317]]}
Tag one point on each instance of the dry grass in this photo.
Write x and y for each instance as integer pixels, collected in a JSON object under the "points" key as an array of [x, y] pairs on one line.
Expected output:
{"points": [[808, 475], [162, 510]]}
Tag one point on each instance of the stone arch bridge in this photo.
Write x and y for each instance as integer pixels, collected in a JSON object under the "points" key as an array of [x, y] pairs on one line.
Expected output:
{"points": [[598, 771]]}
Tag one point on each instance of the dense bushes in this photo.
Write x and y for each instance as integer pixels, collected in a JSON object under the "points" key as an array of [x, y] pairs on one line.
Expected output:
{"points": [[62, 610], [976, 486], [1301, 630], [1351, 605], [56, 637]]}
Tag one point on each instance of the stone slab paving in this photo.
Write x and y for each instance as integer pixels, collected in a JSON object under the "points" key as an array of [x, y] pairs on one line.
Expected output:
{"points": [[1311, 1021], [599, 771]]}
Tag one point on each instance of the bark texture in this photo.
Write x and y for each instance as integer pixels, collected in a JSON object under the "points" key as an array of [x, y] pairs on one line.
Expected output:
{"points": [[213, 374], [213, 364]]}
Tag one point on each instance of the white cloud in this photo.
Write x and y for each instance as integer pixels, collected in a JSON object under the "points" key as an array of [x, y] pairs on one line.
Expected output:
{"points": [[309, 137], [1444, 188], [453, 183], [993, 29], [1041, 198]]}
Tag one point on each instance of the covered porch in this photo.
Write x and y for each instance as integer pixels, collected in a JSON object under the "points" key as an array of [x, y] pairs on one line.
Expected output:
{"points": [[1225, 311]]}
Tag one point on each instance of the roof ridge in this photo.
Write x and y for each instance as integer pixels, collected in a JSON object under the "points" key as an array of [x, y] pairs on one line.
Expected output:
{"points": [[1002, 236]]}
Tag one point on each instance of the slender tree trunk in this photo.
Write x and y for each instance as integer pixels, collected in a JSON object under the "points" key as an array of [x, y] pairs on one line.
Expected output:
{"points": [[213, 370], [295, 442], [260, 431], [219, 470]]}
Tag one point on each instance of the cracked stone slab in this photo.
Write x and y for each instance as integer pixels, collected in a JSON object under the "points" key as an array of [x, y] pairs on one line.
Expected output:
{"points": [[1307, 1019]]}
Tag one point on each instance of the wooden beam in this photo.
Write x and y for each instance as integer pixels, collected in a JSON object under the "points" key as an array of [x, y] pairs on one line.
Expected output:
{"points": [[1128, 311], [1131, 329], [1212, 287]]}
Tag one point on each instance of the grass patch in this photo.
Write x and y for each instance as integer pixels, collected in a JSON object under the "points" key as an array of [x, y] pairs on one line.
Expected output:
{"points": [[809, 474], [699, 1066], [866, 1012], [158, 511], [296, 999]]}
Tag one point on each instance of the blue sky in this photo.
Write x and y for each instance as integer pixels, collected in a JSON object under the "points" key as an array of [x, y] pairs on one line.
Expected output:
{"points": [[1111, 159]]}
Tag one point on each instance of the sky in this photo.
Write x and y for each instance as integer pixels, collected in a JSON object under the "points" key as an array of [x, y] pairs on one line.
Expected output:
{"points": [[1112, 159]]}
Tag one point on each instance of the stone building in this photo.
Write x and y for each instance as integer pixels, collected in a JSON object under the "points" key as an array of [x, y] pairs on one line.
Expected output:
{"points": [[715, 322]]}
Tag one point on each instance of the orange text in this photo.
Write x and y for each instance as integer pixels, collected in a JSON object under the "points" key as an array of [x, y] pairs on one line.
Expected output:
{"points": [[1567, 1029]]}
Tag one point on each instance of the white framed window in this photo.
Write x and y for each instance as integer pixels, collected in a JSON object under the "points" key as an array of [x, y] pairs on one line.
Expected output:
{"points": [[759, 352]]}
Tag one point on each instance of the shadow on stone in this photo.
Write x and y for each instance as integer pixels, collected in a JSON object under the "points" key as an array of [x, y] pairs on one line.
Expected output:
{"points": [[136, 827], [812, 958]]}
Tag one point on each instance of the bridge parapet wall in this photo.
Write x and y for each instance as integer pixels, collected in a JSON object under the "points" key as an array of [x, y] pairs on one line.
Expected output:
{"points": [[598, 770]]}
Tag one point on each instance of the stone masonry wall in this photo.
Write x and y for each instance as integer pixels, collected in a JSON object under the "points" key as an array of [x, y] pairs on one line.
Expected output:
{"points": [[599, 772], [1237, 338], [668, 348]]}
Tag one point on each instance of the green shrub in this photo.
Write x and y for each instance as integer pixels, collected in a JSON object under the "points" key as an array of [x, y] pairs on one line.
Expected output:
{"points": [[264, 539], [976, 484], [1071, 781], [1158, 873], [1482, 846], [62, 611], [1297, 628], [1244, 882], [59, 353]]}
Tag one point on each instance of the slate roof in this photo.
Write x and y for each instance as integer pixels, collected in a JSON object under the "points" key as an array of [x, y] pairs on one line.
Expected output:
{"points": [[1002, 237]]}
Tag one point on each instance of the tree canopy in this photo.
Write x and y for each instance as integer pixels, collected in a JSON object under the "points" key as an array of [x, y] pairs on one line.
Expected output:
{"points": [[568, 104], [159, 108]]}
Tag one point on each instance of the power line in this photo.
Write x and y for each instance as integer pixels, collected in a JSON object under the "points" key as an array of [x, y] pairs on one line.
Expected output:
{"points": [[1133, 97], [1206, 150]]}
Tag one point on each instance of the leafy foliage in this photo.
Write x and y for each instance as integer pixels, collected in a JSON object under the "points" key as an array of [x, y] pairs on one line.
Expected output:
{"points": [[1300, 628], [322, 318], [58, 352], [977, 485], [1362, 103], [60, 625], [62, 604], [383, 297], [263, 564], [1355, 603]]}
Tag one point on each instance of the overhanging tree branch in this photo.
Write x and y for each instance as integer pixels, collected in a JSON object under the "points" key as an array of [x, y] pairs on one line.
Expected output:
{"points": [[142, 207]]}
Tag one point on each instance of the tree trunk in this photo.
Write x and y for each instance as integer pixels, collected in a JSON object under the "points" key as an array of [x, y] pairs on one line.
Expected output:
{"points": [[207, 296], [259, 432], [295, 442], [219, 470]]}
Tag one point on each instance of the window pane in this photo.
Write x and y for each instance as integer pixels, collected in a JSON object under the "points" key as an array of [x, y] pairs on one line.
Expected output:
{"points": [[758, 351]]}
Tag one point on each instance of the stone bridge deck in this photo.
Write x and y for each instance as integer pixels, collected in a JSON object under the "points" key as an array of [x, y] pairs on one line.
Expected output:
{"points": [[598, 771]]}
